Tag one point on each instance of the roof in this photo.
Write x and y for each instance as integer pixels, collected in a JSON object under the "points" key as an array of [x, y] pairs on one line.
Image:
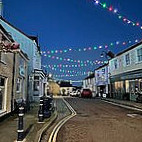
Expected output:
{"points": [[65, 84], [130, 48], [30, 37], [6, 33], [101, 66], [35, 38]]}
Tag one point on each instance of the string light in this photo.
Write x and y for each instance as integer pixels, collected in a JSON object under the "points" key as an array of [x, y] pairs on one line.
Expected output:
{"points": [[115, 11], [84, 49]]}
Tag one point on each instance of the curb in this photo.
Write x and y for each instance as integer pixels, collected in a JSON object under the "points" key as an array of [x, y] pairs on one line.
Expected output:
{"points": [[45, 127], [128, 106]]}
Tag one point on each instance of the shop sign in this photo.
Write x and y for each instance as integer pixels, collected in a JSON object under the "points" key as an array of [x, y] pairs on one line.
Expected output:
{"points": [[132, 76]]}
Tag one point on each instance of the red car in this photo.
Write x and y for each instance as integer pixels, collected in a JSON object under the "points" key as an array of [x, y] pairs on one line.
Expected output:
{"points": [[86, 93]]}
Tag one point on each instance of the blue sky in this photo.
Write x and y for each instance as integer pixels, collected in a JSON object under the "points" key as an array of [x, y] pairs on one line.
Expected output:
{"points": [[62, 24]]}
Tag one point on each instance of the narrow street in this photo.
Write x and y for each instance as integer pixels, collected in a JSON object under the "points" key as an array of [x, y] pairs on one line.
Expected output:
{"points": [[97, 121]]}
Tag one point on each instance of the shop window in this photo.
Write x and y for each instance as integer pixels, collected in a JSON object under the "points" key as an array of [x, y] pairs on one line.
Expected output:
{"points": [[127, 59], [18, 85], [127, 86], [2, 89], [139, 54], [140, 85]]}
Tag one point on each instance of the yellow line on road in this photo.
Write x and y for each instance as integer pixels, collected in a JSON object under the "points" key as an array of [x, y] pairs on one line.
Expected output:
{"points": [[56, 129]]}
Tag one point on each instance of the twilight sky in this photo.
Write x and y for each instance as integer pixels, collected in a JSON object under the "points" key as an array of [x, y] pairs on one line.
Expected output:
{"points": [[75, 24]]}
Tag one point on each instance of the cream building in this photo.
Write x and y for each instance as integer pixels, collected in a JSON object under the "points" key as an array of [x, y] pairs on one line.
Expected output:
{"points": [[126, 73]]}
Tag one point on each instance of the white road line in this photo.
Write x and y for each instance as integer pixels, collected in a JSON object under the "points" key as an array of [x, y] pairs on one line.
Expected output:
{"points": [[56, 129], [124, 106]]}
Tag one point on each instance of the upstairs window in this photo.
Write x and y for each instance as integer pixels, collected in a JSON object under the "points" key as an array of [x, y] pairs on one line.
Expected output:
{"points": [[115, 64], [139, 54], [127, 59]]}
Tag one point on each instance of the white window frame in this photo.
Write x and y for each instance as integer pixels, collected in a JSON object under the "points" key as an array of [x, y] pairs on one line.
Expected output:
{"points": [[4, 94], [19, 81], [116, 61], [129, 61], [139, 55]]}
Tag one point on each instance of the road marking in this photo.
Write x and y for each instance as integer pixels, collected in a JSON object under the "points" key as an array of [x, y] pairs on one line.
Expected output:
{"points": [[124, 106], [56, 129]]}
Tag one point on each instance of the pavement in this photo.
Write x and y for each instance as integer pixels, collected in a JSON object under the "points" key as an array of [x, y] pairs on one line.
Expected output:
{"points": [[33, 130]]}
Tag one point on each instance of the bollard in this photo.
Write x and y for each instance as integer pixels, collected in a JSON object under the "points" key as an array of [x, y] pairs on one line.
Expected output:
{"points": [[40, 114], [20, 124]]}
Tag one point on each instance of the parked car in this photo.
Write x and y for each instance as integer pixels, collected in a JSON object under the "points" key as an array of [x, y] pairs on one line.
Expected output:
{"points": [[86, 93]]}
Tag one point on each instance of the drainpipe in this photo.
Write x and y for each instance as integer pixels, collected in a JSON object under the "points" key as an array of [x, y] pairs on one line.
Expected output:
{"points": [[13, 78]]}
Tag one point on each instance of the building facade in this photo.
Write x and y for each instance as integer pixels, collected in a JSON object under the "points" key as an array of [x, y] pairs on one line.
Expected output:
{"points": [[126, 73], [29, 45], [13, 73], [89, 83], [102, 81]]}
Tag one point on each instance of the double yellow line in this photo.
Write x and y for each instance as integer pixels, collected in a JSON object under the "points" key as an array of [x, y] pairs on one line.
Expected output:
{"points": [[56, 129]]}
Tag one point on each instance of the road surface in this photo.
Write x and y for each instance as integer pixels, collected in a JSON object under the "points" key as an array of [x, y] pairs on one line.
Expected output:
{"points": [[98, 121]]}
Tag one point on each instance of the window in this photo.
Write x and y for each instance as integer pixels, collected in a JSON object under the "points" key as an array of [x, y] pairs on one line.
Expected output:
{"points": [[2, 89], [36, 83], [18, 85], [127, 59], [115, 64], [139, 54]]}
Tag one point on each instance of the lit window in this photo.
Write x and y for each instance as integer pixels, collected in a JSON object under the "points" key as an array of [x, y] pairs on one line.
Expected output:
{"points": [[139, 54], [127, 59]]}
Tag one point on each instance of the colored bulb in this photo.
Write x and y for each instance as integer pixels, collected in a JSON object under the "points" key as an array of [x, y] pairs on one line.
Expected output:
{"points": [[104, 5], [119, 17], [95, 47], [137, 24], [110, 8]]}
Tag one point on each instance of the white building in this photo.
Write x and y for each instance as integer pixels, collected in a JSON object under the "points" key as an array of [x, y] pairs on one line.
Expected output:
{"points": [[102, 80], [126, 73], [89, 83]]}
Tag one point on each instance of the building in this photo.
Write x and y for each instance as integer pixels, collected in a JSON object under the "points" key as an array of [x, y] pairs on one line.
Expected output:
{"points": [[89, 83], [126, 73], [13, 73], [102, 81], [65, 88], [30, 46]]}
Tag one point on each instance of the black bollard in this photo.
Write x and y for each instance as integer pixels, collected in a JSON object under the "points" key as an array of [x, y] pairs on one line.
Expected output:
{"points": [[20, 123], [40, 113]]}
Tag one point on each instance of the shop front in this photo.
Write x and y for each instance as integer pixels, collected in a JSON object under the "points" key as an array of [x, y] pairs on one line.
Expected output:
{"points": [[127, 86]]}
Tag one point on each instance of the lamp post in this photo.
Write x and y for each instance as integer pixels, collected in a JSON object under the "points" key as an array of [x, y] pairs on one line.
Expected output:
{"points": [[108, 55]]}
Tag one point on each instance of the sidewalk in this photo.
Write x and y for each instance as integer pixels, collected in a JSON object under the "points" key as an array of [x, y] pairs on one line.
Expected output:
{"points": [[33, 130], [8, 128], [125, 102]]}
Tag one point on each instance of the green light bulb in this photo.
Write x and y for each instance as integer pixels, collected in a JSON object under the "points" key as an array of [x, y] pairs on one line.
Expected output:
{"points": [[119, 17], [104, 5]]}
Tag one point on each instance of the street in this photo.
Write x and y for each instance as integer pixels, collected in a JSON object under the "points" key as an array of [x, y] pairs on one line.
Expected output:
{"points": [[98, 121]]}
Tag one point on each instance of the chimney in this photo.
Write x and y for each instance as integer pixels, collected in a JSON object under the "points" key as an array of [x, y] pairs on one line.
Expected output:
{"points": [[1, 8]]}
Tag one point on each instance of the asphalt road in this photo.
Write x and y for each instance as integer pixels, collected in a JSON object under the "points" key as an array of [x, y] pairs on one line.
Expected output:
{"points": [[97, 121]]}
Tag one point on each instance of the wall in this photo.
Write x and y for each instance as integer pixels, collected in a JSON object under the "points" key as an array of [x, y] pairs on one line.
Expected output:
{"points": [[122, 67]]}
